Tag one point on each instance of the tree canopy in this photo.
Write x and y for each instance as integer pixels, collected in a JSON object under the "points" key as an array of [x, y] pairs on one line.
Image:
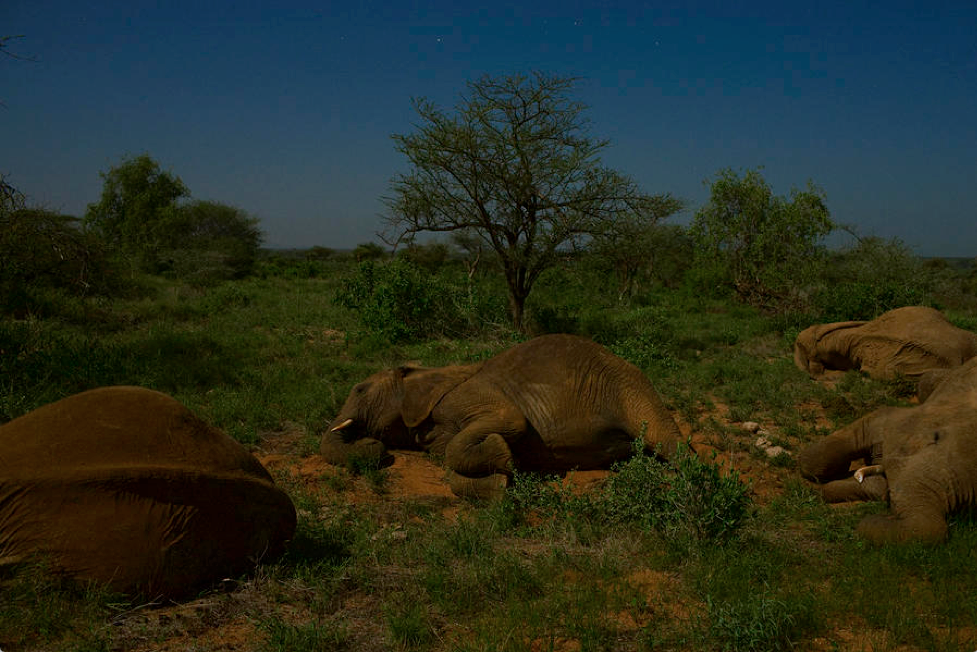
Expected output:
{"points": [[140, 215], [764, 246], [515, 165], [223, 236], [633, 245], [137, 212]]}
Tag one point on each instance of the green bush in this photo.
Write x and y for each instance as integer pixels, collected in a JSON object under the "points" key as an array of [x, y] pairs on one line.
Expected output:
{"points": [[368, 251], [212, 242], [42, 249], [686, 500], [873, 276], [429, 257], [397, 302], [138, 213], [765, 248], [643, 336]]}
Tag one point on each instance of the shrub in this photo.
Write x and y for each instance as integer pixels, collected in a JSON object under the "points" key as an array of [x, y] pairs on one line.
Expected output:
{"points": [[43, 249], [137, 213], [212, 242], [869, 278], [686, 500], [430, 257], [319, 253], [765, 248], [397, 302], [394, 300], [368, 251]]}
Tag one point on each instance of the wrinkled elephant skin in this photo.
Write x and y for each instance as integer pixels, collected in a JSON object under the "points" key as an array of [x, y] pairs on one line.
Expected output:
{"points": [[552, 404], [126, 487], [927, 459], [902, 342]]}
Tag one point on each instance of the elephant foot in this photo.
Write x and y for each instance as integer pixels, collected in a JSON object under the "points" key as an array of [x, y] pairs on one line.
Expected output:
{"points": [[490, 487]]}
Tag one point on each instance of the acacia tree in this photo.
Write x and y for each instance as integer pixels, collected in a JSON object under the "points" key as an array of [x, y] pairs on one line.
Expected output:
{"points": [[766, 247], [514, 165], [226, 235]]}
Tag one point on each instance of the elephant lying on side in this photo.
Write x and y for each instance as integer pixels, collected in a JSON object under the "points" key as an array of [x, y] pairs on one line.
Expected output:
{"points": [[125, 486], [554, 403], [923, 458], [902, 342]]}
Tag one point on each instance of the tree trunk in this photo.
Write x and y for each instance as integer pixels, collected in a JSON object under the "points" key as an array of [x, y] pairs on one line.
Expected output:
{"points": [[517, 306]]}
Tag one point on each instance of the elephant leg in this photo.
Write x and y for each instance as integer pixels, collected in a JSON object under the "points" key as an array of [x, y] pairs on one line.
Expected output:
{"points": [[873, 487], [480, 464], [918, 500], [925, 527], [831, 456], [477, 454]]}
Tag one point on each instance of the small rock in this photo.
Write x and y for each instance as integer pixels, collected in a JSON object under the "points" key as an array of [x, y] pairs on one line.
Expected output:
{"points": [[751, 426], [774, 451], [762, 442]]}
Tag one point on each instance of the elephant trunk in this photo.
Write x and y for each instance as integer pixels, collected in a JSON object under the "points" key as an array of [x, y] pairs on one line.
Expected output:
{"points": [[831, 457], [336, 450]]}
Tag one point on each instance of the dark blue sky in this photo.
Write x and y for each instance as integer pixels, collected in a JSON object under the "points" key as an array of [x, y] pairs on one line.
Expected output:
{"points": [[286, 109]]}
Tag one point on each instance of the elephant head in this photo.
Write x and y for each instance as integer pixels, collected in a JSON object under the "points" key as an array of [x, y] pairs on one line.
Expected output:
{"points": [[905, 342], [927, 456], [381, 412]]}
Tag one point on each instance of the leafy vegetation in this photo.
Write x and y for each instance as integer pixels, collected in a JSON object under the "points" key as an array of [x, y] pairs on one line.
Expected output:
{"points": [[42, 251], [724, 550], [766, 248], [138, 210], [213, 242]]}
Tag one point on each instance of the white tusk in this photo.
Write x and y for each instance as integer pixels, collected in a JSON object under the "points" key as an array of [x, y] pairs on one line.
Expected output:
{"points": [[344, 424], [865, 471]]}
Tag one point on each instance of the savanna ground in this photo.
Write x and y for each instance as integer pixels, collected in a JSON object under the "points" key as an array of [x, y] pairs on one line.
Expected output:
{"points": [[389, 559]]}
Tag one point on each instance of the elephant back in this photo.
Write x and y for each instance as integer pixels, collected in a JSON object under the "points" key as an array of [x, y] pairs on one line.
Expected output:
{"points": [[580, 397], [125, 486]]}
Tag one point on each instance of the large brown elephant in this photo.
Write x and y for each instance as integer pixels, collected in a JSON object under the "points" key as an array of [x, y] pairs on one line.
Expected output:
{"points": [[902, 342], [554, 403], [923, 458], [126, 487]]}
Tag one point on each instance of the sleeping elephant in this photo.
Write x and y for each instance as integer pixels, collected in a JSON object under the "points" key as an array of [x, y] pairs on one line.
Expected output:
{"points": [[125, 486], [923, 458], [552, 404], [902, 342]]}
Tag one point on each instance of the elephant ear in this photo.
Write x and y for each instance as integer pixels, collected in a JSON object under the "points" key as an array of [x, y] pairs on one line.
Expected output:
{"points": [[423, 388]]}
